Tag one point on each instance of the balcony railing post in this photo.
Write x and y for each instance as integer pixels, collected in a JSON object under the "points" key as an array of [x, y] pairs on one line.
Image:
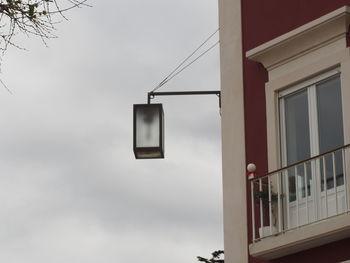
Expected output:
{"points": [[253, 207], [316, 173], [325, 184], [346, 179], [279, 205], [270, 203], [261, 209], [296, 192], [287, 199], [335, 183], [306, 193]]}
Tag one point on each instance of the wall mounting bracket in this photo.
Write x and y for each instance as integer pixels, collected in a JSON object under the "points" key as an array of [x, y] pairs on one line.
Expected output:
{"points": [[151, 95]]}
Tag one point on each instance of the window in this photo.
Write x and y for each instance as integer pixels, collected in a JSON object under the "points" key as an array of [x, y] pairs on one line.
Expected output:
{"points": [[311, 123], [311, 118]]}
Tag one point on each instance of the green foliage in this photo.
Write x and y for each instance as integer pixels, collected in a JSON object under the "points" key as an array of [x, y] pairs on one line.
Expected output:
{"points": [[216, 257], [263, 195]]}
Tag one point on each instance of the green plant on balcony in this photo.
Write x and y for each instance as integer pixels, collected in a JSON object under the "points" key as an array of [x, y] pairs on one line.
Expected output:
{"points": [[263, 195]]}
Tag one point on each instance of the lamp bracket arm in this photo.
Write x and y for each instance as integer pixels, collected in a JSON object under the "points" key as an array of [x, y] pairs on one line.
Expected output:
{"points": [[151, 95]]}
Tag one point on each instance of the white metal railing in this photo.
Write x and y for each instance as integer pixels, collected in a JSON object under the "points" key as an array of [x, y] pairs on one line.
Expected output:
{"points": [[300, 194]]}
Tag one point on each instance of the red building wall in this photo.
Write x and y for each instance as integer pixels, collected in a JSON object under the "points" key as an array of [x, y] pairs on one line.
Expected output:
{"points": [[263, 20]]}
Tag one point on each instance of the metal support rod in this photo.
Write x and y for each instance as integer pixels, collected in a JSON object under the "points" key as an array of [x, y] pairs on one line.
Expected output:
{"points": [[152, 95]]}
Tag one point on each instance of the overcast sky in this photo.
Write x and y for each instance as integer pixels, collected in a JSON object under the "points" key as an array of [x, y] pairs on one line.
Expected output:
{"points": [[70, 188]]}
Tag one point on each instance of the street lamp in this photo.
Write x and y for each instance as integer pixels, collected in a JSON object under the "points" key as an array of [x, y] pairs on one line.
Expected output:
{"points": [[149, 124], [148, 131]]}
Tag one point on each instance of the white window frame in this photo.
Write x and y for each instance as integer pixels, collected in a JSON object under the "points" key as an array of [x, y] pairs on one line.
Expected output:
{"points": [[316, 194], [310, 85]]}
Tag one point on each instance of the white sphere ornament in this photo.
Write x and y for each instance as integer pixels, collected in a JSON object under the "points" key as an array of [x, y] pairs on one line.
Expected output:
{"points": [[251, 168]]}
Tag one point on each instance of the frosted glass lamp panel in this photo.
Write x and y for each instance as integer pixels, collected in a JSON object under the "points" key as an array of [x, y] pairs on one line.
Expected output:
{"points": [[147, 127]]}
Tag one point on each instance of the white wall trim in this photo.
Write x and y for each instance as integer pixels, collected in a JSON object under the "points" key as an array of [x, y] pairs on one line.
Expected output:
{"points": [[233, 142]]}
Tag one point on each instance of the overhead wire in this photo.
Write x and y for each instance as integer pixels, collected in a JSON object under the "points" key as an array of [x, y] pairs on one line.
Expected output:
{"points": [[176, 71], [189, 64]]}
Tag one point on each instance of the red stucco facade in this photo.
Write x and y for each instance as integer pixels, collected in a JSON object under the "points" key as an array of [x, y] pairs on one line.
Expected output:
{"points": [[261, 22]]}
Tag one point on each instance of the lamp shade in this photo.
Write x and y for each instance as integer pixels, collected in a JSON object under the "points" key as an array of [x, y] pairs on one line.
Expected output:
{"points": [[148, 131]]}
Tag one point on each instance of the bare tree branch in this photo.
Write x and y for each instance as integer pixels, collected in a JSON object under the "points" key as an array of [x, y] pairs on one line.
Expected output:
{"points": [[31, 17]]}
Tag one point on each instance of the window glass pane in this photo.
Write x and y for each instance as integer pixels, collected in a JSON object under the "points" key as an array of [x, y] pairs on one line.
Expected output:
{"points": [[297, 141], [330, 129], [297, 127], [330, 117]]}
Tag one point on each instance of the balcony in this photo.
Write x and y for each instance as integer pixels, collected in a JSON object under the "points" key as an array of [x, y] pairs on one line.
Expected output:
{"points": [[301, 206]]}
